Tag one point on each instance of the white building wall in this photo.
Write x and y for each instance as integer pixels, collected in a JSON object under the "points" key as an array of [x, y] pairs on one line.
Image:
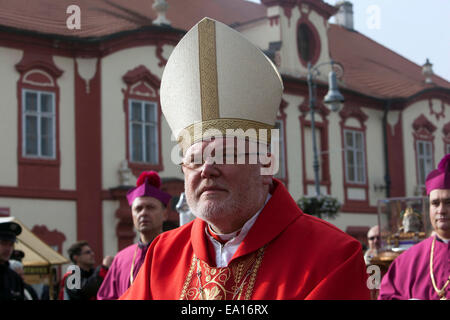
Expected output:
{"points": [[110, 247], [9, 113], [67, 122], [375, 154], [169, 149], [344, 220], [261, 33], [54, 214]]}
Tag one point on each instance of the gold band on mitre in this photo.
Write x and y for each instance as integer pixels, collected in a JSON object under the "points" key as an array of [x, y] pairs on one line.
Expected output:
{"points": [[208, 69], [225, 127]]}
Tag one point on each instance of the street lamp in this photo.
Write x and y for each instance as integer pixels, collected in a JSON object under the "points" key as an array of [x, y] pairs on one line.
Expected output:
{"points": [[333, 100]]}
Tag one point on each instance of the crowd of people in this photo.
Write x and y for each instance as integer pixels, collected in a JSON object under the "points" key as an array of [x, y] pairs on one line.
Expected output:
{"points": [[249, 240]]}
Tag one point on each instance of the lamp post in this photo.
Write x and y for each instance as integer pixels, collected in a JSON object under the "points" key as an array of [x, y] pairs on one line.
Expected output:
{"points": [[333, 100]]}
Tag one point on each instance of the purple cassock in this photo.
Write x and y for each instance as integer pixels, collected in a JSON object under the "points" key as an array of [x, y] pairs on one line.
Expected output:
{"points": [[409, 276], [117, 279]]}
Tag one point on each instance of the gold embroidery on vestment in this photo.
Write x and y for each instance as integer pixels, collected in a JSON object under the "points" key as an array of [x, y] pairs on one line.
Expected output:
{"points": [[234, 282]]}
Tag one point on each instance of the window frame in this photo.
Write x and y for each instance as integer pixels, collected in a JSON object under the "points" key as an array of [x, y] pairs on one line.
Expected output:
{"points": [[314, 45], [423, 130], [361, 203], [354, 151], [39, 115], [141, 85], [425, 157], [143, 123]]}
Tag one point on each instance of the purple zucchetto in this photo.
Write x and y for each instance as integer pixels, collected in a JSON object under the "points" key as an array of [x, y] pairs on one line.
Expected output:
{"points": [[439, 178], [147, 185]]}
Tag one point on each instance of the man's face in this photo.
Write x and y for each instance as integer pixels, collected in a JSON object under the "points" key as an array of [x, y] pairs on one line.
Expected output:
{"points": [[224, 195], [6, 249], [373, 237], [86, 257], [440, 212], [148, 214]]}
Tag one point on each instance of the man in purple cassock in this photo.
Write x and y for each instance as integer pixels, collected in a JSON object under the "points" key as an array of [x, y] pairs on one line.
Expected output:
{"points": [[148, 206], [423, 271]]}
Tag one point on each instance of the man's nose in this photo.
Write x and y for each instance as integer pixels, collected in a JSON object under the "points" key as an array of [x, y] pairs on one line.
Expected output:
{"points": [[441, 208], [209, 169]]}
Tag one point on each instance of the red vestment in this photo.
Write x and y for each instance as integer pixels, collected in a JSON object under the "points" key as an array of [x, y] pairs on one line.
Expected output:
{"points": [[286, 255]]}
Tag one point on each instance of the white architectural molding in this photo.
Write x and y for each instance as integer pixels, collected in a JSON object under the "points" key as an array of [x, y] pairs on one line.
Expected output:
{"points": [[87, 68]]}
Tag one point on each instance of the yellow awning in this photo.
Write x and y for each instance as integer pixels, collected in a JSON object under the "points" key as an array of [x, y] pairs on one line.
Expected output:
{"points": [[37, 252]]}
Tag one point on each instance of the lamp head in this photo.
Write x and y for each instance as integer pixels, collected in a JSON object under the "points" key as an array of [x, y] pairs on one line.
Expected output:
{"points": [[333, 99]]}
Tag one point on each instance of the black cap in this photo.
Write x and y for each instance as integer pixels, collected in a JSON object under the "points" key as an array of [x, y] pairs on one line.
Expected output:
{"points": [[9, 230]]}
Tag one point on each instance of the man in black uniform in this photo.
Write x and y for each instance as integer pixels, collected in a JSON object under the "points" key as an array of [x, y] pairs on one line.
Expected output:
{"points": [[11, 284]]}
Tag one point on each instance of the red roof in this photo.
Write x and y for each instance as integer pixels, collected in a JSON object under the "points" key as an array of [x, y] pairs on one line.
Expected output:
{"points": [[369, 67], [373, 69], [105, 17], [98, 17]]}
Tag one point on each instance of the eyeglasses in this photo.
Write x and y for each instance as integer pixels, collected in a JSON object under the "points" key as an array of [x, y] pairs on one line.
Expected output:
{"points": [[196, 161], [373, 238]]}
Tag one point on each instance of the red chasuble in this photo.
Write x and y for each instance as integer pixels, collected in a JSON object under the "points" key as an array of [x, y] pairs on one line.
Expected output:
{"points": [[286, 255]]}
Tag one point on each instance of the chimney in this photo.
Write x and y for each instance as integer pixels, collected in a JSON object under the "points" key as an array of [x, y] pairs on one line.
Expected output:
{"points": [[344, 17], [427, 71], [160, 6]]}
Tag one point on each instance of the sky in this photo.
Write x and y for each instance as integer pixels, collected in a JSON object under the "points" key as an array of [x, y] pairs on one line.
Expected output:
{"points": [[415, 29]]}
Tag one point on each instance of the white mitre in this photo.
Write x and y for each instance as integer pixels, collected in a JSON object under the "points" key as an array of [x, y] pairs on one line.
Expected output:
{"points": [[215, 80]]}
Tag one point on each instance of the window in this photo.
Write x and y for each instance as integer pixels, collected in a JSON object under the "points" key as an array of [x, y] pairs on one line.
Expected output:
{"points": [[354, 157], [143, 131], [38, 124], [424, 159], [305, 42]]}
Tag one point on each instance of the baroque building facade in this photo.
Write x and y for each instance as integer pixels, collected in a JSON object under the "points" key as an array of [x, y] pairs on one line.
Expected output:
{"points": [[81, 117]]}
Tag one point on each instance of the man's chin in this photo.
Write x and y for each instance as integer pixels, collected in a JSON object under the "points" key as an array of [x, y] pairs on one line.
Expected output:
{"points": [[211, 208]]}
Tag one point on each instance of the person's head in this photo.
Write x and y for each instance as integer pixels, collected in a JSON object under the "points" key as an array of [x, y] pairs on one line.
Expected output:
{"points": [[440, 212], [148, 214], [81, 254], [17, 266], [148, 205], [373, 237], [225, 194], [9, 230], [210, 90], [17, 255], [438, 189]]}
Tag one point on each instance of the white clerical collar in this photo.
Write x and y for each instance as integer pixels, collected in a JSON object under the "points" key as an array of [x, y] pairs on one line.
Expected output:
{"points": [[224, 252], [446, 241]]}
